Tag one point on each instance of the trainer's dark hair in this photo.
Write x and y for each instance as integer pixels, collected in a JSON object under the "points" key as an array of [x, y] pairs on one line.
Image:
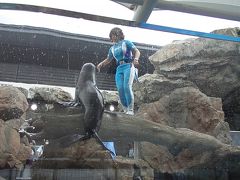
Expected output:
{"points": [[117, 32]]}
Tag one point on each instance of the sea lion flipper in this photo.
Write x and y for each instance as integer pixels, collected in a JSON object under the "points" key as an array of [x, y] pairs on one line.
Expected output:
{"points": [[100, 141]]}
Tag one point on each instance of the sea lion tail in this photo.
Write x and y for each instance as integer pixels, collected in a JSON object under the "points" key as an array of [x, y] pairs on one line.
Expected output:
{"points": [[100, 141]]}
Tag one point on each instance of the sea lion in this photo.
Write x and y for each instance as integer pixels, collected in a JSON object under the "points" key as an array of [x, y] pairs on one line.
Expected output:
{"points": [[91, 98]]}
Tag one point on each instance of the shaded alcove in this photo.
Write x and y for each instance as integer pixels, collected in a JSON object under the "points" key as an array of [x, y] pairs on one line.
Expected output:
{"points": [[231, 108]]}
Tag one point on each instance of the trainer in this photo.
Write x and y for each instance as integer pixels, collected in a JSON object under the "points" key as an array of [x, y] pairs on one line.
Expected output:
{"points": [[127, 56]]}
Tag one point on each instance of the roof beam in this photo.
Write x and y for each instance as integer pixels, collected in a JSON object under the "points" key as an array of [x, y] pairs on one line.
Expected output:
{"points": [[91, 17], [216, 2], [143, 12], [66, 13], [225, 9], [210, 8]]}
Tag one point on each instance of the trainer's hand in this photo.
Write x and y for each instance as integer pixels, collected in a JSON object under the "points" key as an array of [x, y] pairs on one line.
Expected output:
{"points": [[99, 66], [136, 63]]}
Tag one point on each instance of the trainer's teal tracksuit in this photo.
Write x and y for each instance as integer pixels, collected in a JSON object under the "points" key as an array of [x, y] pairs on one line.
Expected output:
{"points": [[122, 53]]}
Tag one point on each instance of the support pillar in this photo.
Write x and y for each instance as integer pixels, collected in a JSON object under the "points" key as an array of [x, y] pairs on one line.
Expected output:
{"points": [[143, 12]]}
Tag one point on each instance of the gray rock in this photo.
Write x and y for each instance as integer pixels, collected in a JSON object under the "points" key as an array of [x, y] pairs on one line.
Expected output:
{"points": [[189, 108], [49, 94], [13, 103], [152, 87], [213, 65]]}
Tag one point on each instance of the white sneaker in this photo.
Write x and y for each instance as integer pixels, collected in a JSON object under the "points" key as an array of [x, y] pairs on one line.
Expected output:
{"points": [[130, 112], [125, 110]]}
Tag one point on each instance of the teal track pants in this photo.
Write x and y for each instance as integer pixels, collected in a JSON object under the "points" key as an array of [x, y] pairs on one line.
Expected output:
{"points": [[124, 80]]}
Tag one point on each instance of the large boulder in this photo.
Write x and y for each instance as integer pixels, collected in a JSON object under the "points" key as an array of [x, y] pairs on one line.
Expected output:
{"points": [[213, 65], [215, 163], [12, 152], [152, 87], [13, 103], [111, 98], [49, 94], [189, 108]]}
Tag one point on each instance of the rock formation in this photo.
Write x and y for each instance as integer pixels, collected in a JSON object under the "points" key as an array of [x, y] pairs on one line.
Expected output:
{"points": [[12, 103], [212, 65], [13, 106], [189, 108]]}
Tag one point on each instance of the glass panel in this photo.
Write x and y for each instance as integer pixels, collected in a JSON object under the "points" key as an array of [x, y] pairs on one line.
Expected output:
{"points": [[67, 114]]}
